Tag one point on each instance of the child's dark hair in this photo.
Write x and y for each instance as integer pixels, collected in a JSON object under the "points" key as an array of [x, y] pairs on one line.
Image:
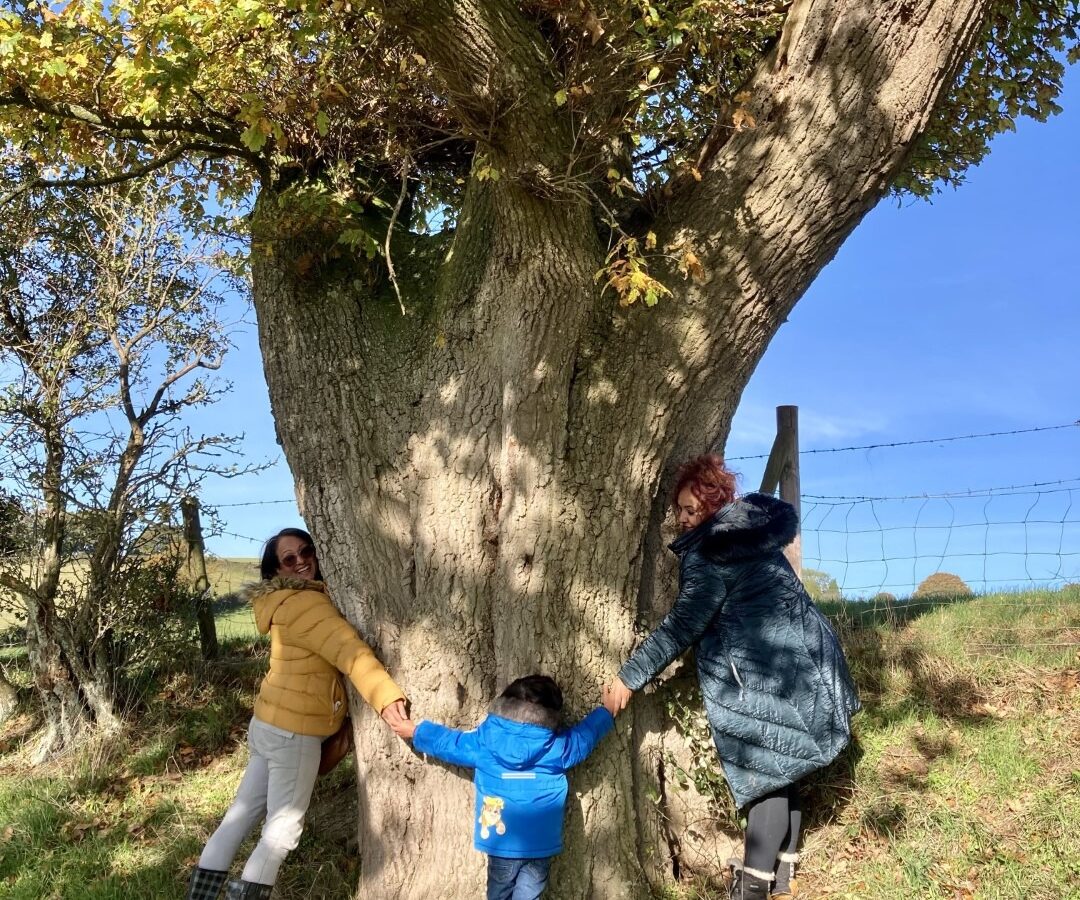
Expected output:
{"points": [[538, 689], [268, 563]]}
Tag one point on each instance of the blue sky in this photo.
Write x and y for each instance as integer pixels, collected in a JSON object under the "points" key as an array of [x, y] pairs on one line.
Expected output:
{"points": [[954, 317]]}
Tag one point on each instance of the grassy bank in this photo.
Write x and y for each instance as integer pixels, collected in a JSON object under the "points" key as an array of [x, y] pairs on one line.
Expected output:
{"points": [[964, 783]]}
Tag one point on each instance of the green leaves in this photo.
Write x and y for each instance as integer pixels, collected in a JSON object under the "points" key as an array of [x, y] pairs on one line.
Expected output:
{"points": [[272, 88], [1015, 71]]}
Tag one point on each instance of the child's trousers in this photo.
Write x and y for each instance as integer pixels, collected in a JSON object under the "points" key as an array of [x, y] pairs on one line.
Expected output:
{"points": [[517, 879], [277, 785]]}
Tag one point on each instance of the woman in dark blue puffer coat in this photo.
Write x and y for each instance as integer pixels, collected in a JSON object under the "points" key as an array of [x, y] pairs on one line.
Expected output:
{"points": [[776, 686]]}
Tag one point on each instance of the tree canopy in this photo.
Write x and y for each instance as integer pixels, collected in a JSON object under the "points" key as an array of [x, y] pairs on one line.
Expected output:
{"points": [[354, 105]]}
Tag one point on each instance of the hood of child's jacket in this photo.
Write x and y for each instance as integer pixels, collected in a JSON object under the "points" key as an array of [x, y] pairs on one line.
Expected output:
{"points": [[266, 596], [753, 525], [517, 733]]}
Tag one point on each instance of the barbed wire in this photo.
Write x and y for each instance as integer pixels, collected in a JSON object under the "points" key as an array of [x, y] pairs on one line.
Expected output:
{"points": [[940, 440], [243, 537], [1002, 491], [249, 503]]}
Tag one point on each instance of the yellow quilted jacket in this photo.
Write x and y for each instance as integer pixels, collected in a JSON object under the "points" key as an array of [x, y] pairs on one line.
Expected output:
{"points": [[310, 644]]}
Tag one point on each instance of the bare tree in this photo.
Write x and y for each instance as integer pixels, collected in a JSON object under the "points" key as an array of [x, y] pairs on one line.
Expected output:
{"points": [[112, 326]]}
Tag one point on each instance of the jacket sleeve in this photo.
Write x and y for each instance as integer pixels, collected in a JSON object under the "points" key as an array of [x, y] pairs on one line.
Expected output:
{"points": [[701, 594], [581, 739], [448, 744], [314, 623]]}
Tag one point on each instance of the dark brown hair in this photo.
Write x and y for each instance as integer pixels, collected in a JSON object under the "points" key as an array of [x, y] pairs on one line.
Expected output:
{"points": [[268, 563], [538, 689]]}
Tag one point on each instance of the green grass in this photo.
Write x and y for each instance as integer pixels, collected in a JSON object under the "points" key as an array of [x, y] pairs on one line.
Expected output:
{"points": [[964, 781], [227, 576]]}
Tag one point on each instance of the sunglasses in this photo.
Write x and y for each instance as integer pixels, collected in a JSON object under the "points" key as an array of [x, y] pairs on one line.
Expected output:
{"points": [[289, 560]]}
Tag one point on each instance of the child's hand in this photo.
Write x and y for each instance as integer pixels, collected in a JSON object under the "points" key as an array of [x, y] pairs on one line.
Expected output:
{"points": [[615, 696], [405, 729]]}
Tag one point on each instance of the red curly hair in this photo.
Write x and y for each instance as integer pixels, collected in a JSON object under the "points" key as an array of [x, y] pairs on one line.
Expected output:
{"points": [[708, 479]]}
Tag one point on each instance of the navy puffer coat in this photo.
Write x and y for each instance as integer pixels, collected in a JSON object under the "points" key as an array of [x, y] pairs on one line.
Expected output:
{"points": [[777, 691]]}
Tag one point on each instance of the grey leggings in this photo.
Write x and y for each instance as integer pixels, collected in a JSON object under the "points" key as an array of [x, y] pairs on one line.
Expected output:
{"points": [[277, 787], [772, 828]]}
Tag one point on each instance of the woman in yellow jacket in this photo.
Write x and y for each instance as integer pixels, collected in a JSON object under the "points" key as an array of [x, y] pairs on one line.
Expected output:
{"points": [[300, 703]]}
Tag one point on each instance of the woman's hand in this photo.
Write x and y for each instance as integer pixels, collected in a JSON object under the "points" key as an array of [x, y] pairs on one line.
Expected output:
{"points": [[394, 714], [615, 696]]}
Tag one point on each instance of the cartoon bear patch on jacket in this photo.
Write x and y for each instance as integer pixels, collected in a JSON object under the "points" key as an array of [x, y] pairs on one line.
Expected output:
{"points": [[491, 815]]}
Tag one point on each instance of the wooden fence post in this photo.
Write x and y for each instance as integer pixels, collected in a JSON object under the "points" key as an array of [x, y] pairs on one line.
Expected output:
{"points": [[196, 565], [782, 470]]}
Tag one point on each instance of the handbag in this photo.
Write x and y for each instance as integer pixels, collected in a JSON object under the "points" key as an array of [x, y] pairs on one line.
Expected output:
{"points": [[336, 747]]}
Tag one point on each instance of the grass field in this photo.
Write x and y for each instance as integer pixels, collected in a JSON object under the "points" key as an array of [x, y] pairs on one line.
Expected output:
{"points": [[964, 782], [226, 577]]}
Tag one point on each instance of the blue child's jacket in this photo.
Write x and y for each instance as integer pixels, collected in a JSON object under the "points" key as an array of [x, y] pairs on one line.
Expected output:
{"points": [[521, 760]]}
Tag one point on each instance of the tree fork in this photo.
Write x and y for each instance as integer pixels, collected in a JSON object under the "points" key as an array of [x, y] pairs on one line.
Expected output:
{"points": [[491, 495]]}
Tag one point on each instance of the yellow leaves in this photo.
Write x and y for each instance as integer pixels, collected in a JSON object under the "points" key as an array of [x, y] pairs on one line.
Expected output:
{"points": [[628, 275], [691, 266], [483, 170], [742, 119], [626, 269], [560, 97]]}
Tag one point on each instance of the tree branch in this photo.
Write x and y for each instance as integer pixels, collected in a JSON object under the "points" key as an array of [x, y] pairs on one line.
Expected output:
{"points": [[495, 66], [18, 586], [138, 172], [225, 142]]}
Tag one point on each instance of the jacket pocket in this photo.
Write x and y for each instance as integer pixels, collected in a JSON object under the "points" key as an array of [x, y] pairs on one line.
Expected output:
{"points": [[337, 697], [753, 673]]}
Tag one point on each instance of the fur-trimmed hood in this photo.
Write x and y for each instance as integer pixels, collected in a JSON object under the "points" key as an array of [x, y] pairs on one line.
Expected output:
{"points": [[753, 525], [517, 733], [266, 596]]}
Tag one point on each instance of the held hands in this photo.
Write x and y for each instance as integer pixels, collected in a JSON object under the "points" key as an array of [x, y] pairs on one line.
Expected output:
{"points": [[398, 719], [615, 696], [404, 729]]}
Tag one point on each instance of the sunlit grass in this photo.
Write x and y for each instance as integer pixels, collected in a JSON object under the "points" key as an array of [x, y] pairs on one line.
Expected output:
{"points": [[965, 782]]}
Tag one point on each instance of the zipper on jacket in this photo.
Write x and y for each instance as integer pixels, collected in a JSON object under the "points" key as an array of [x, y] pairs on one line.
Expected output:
{"points": [[335, 704], [735, 672]]}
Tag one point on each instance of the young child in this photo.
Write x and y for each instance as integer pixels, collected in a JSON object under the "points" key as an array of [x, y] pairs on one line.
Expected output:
{"points": [[521, 758]]}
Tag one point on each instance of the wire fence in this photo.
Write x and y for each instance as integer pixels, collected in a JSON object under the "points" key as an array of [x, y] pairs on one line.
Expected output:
{"points": [[991, 538], [997, 538]]}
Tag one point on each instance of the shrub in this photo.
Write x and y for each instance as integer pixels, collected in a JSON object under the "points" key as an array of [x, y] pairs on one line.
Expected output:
{"points": [[820, 585], [943, 584]]}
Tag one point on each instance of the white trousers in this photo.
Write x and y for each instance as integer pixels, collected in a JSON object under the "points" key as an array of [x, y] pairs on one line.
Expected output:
{"points": [[276, 786]]}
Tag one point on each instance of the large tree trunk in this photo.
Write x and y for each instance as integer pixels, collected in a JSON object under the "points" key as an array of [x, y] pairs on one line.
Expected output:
{"points": [[485, 475]]}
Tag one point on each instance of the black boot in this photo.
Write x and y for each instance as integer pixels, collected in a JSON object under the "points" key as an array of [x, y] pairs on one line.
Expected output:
{"points": [[248, 890], [205, 884], [784, 885], [745, 886]]}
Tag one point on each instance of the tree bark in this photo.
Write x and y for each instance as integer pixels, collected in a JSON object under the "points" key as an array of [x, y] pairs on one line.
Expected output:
{"points": [[485, 476]]}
